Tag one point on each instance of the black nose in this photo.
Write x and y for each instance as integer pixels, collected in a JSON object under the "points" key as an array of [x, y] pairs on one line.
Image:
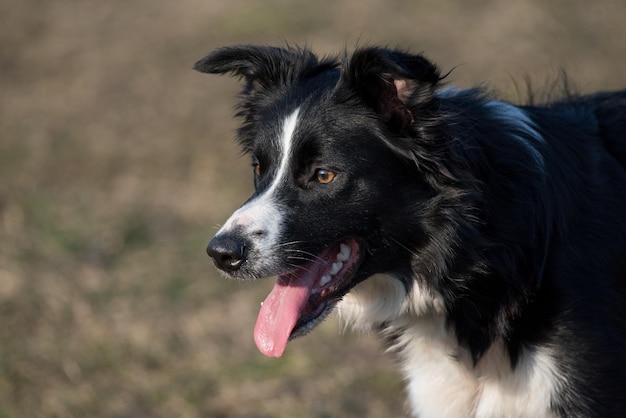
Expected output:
{"points": [[228, 252]]}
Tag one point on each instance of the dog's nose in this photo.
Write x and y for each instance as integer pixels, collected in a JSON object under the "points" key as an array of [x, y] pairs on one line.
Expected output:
{"points": [[228, 252]]}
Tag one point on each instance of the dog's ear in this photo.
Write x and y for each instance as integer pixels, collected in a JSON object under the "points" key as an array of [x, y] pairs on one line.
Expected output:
{"points": [[266, 71], [391, 82], [262, 67]]}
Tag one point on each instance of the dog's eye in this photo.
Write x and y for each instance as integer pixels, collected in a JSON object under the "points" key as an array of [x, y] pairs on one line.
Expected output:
{"points": [[257, 169], [324, 176]]}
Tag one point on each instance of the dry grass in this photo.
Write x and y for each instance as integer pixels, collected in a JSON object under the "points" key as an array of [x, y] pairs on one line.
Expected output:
{"points": [[116, 166]]}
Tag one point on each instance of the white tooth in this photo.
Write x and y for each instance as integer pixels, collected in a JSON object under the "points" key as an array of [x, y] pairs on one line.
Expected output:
{"points": [[345, 252], [325, 280], [336, 267]]}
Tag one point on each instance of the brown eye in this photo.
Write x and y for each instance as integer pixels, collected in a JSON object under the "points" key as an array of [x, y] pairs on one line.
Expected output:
{"points": [[324, 176], [257, 169]]}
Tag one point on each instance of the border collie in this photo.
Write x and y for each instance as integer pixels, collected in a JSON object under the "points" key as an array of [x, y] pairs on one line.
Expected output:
{"points": [[485, 242]]}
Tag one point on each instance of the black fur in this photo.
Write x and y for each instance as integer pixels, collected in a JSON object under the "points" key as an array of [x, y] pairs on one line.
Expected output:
{"points": [[520, 225]]}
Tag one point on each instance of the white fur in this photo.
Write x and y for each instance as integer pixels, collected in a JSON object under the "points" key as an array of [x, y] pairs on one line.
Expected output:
{"points": [[524, 392], [442, 380], [382, 298], [262, 213]]}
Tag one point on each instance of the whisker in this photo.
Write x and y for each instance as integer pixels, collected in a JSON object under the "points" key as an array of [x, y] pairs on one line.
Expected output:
{"points": [[285, 244], [413, 253], [292, 273], [292, 257], [314, 257]]}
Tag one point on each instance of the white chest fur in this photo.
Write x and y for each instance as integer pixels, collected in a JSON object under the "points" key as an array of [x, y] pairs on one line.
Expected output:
{"points": [[442, 382]]}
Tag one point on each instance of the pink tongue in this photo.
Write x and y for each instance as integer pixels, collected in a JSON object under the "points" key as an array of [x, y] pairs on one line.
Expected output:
{"points": [[280, 312]]}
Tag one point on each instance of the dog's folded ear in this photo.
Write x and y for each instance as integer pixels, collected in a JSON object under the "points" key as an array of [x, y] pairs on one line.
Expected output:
{"points": [[266, 71], [262, 67], [391, 82]]}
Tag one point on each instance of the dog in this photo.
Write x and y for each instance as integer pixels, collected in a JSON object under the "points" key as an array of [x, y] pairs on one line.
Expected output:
{"points": [[485, 242]]}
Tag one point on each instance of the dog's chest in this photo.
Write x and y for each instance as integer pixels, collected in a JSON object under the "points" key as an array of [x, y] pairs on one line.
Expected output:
{"points": [[443, 383], [441, 379]]}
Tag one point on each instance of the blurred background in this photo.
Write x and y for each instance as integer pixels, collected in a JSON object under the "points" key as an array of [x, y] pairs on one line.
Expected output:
{"points": [[117, 165]]}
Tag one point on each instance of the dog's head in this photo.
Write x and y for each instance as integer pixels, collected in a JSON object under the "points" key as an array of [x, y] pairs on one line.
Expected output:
{"points": [[334, 176]]}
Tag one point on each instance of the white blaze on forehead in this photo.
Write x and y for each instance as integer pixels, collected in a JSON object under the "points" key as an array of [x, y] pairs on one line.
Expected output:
{"points": [[262, 213], [286, 141]]}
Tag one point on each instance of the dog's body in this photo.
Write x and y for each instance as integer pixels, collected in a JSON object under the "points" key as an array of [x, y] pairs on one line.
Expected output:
{"points": [[485, 242]]}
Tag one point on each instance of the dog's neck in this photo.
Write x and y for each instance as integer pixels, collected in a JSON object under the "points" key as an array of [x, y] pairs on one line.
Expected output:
{"points": [[443, 380], [383, 299]]}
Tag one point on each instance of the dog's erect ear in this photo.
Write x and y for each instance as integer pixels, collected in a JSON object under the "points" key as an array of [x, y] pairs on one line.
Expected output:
{"points": [[391, 82], [262, 67]]}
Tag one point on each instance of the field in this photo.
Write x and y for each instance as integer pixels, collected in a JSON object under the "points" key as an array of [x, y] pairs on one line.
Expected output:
{"points": [[117, 166]]}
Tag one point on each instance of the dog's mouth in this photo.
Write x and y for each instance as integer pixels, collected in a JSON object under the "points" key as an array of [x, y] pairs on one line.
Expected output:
{"points": [[303, 297]]}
